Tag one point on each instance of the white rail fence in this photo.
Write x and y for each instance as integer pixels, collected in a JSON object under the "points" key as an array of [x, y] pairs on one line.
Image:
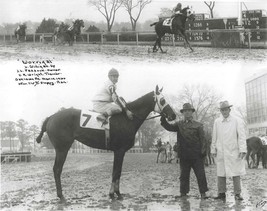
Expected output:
{"points": [[141, 38]]}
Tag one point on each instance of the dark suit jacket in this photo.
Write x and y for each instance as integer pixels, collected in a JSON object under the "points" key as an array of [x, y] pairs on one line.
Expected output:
{"points": [[190, 138]]}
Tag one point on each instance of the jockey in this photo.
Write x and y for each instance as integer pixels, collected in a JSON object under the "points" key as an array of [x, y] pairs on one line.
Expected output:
{"points": [[107, 102], [18, 28], [177, 10]]}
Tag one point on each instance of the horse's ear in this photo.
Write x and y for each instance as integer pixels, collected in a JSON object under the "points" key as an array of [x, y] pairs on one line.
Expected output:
{"points": [[161, 89], [157, 89]]}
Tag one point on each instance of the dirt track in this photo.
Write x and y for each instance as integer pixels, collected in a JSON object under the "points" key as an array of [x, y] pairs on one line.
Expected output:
{"points": [[129, 53], [145, 186]]}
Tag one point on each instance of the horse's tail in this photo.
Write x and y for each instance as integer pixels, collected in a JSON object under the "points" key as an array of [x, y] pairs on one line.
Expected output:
{"points": [[39, 138], [152, 24]]}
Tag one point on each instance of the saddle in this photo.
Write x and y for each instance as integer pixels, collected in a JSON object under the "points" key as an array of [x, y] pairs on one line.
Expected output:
{"points": [[89, 120]]}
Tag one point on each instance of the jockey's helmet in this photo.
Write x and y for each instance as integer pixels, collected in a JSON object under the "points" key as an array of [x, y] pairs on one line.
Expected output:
{"points": [[179, 5], [113, 72]]}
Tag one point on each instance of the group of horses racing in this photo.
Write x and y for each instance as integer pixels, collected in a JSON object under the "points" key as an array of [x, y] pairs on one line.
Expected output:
{"points": [[65, 33], [62, 33], [256, 146]]}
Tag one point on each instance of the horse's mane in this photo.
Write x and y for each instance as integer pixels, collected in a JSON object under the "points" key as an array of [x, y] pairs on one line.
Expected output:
{"points": [[140, 101]]}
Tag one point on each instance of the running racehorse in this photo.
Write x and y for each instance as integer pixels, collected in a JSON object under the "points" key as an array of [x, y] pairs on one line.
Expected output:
{"points": [[177, 27], [20, 32], [64, 127], [59, 33], [65, 33]]}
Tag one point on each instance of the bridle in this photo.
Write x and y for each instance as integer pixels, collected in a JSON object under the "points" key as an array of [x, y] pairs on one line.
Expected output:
{"points": [[160, 108]]}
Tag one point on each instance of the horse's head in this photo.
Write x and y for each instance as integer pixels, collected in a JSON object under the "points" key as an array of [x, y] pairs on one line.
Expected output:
{"points": [[23, 26], [190, 14], [162, 106], [78, 24]]}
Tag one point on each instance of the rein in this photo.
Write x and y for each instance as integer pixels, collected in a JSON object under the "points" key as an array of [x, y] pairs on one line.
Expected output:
{"points": [[153, 117]]}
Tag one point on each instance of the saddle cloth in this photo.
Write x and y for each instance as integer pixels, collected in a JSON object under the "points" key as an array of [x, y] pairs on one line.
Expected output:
{"points": [[88, 120], [167, 22]]}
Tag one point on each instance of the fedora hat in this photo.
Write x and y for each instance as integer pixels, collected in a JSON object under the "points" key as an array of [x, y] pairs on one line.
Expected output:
{"points": [[187, 106], [225, 104]]}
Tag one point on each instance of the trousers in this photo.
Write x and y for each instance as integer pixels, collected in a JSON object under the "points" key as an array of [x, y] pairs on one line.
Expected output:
{"points": [[110, 108], [198, 166], [222, 184]]}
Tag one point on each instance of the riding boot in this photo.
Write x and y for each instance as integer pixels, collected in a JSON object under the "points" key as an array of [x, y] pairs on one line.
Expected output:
{"points": [[102, 118]]}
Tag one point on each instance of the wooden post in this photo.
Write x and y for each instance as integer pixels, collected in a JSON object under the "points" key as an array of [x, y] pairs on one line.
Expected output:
{"points": [[75, 39], [173, 40], [137, 41], [11, 37], [102, 37], [4, 38], [34, 42], [118, 38], [88, 38], [249, 43]]}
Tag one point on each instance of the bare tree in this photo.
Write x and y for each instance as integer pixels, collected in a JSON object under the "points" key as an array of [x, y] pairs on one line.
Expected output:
{"points": [[108, 9], [134, 9], [165, 12], [205, 101], [23, 133], [8, 130], [149, 132], [34, 131], [242, 113], [210, 5]]}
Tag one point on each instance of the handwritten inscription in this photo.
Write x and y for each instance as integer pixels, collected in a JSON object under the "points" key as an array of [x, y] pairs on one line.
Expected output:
{"points": [[39, 73]]}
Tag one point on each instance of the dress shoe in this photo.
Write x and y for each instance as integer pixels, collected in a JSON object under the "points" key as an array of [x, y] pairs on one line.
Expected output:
{"points": [[204, 196], [183, 195], [238, 197], [220, 196]]}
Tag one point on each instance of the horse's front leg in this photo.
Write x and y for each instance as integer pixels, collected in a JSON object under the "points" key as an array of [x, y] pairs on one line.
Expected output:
{"points": [[185, 40], [253, 159], [160, 46], [117, 167], [155, 46], [258, 159]]}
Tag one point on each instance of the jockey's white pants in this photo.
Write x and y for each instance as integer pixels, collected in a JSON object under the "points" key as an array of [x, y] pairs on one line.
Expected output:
{"points": [[109, 107]]}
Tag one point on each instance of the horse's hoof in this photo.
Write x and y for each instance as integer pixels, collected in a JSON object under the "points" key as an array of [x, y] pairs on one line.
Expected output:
{"points": [[119, 196], [62, 200], [111, 196]]}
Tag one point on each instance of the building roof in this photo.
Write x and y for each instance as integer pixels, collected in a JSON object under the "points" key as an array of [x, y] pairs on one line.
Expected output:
{"points": [[256, 75]]}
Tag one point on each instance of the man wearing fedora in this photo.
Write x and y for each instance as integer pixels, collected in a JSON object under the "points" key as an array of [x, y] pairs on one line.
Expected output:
{"points": [[229, 146], [191, 149]]}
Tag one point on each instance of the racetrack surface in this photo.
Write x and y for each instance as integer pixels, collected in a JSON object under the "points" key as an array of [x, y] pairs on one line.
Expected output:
{"points": [[124, 53], [145, 185]]}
